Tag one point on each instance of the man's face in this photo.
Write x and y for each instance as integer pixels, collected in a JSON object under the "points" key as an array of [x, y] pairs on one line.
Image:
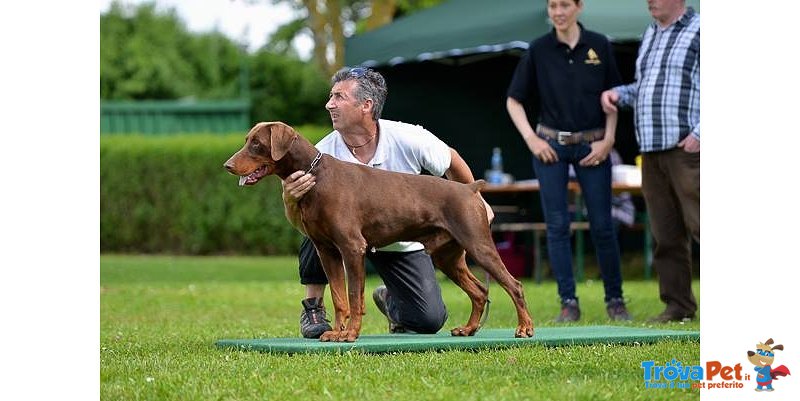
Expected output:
{"points": [[665, 10], [344, 108]]}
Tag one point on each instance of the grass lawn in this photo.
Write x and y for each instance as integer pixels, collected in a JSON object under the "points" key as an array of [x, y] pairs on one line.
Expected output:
{"points": [[160, 316]]}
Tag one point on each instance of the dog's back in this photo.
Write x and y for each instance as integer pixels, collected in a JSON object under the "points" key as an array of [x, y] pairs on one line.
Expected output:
{"points": [[386, 206]]}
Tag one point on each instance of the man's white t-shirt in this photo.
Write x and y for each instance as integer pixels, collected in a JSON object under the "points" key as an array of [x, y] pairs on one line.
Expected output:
{"points": [[403, 148]]}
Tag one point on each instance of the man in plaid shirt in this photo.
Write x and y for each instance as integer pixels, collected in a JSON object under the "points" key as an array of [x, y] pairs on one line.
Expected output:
{"points": [[665, 97]]}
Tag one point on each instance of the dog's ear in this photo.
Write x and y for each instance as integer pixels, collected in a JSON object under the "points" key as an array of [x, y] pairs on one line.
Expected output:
{"points": [[259, 133], [281, 139], [779, 346]]}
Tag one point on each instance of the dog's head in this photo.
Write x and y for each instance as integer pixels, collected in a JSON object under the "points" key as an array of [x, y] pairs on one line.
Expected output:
{"points": [[264, 145], [764, 354]]}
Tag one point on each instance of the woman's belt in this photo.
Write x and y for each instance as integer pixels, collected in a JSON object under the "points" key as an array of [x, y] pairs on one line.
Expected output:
{"points": [[571, 138]]}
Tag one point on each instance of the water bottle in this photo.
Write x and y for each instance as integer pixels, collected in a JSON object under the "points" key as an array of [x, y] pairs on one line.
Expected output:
{"points": [[496, 172], [497, 160]]}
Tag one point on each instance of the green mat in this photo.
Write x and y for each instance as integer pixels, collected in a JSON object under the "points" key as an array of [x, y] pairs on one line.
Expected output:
{"points": [[487, 338]]}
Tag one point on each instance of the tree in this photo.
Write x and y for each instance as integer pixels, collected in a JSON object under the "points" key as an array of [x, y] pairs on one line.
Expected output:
{"points": [[149, 54], [288, 89], [146, 54], [329, 22]]}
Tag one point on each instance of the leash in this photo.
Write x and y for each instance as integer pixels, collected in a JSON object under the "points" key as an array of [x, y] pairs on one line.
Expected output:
{"points": [[314, 162]]}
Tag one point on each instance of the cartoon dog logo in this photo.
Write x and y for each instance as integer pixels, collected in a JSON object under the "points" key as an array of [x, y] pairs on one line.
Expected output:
{"points": [[762, 359]]}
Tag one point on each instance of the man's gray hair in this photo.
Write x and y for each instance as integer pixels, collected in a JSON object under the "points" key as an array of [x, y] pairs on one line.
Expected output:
{"points": [[369, 85]]}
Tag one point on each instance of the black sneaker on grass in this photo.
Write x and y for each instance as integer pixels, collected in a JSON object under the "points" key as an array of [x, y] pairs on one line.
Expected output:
{"points": [[313, 321], [570, 311], [615, 307]]}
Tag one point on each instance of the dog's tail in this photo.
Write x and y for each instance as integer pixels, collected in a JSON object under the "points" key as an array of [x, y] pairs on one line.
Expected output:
{"points": [[477, 185]]}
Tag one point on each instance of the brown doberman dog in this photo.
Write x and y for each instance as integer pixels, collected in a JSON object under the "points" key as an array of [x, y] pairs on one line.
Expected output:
{"points": [[353, 208]]}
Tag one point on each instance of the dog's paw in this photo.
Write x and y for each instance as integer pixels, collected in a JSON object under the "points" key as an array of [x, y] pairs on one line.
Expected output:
{"points": [[523, 332], [329, 336], [463, 331], [347, 336]]}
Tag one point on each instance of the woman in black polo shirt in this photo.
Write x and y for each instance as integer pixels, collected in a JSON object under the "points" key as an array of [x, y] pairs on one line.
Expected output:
{"points": [[559, 80]]}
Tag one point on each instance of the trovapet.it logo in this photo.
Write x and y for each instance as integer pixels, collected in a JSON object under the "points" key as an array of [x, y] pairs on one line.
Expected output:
{"points": [[716, 374], [675, 374]]}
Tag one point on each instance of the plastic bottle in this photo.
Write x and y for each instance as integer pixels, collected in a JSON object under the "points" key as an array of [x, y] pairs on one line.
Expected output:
{"points": [[496, 172], [497, 160]]}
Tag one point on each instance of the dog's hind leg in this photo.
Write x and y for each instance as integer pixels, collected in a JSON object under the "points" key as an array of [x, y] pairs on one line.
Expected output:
{"points": [[451, 260], [483, 251], [470, 228]]}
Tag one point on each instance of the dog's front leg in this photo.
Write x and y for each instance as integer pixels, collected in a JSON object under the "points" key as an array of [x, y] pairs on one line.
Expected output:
{"points": [[334, 270], [354, 267]]}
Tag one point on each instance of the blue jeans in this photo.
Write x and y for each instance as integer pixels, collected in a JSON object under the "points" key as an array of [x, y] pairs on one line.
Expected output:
{"points": [[595, 182]]}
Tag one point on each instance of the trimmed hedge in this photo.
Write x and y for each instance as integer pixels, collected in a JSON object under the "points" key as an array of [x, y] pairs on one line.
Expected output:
{"points": [[170, 194]]}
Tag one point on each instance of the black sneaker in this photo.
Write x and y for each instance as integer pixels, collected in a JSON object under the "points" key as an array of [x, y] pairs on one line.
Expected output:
{"points": [[379, 296], [615, 307], [570, 311], [313, 321]]}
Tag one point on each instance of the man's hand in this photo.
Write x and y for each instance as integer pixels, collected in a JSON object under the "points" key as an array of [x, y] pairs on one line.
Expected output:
{"points": [[296, 185], [609, 101], [690, 144]]}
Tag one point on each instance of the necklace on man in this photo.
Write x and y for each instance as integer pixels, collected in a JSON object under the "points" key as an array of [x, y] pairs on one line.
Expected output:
{"points": [[353, 148]]}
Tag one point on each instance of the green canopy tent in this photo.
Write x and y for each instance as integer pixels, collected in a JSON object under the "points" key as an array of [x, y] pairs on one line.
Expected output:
{"points": [[448, 68]]}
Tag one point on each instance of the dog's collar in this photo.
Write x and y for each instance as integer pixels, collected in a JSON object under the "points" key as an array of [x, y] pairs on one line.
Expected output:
{"points": [[314, 162]]}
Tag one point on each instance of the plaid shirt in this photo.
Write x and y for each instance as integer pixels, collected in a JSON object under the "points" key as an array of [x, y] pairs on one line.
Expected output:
{"points": [[666, 92]]}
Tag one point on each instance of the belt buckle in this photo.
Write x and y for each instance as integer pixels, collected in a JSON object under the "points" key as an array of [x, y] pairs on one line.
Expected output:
{"points": [[562, 137]]}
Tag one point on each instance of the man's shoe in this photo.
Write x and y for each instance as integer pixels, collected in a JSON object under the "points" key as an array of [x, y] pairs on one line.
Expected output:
{"points": [[615, 307], [379, 296], [570, 311], [313, 321], [672, 316]]}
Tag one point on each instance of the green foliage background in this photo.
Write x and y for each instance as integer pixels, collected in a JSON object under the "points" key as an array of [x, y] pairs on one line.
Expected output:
{"points": [[287, 89], [148, 54], [170, 194]]}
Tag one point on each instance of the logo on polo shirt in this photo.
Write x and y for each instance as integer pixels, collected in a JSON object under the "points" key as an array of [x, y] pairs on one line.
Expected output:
{"points": [[591, 57]]}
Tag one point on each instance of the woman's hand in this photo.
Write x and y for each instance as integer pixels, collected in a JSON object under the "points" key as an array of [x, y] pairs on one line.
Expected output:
{"points": [[541, 149], [599, 153]]}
